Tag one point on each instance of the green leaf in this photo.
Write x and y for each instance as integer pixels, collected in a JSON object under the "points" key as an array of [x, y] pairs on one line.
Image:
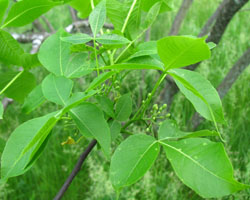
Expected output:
{"points": [[54, 54], [3, 5], [100, 79], [1, 110], [57, 89], [200, 93], [24, 143], [76, 99], [106, 104], [26, 11], [132, 66], [34, 100], [12, 53], [152, 15], [83, 7], [79, 38], [115, 129], [78, 66], [90, 121], [181, 51], [123, 108], [117, 12], [132, 159], [17, 85], [97, 17], [169, 130], [145, 49], [203, 166], [148, 4], [112, 39]]}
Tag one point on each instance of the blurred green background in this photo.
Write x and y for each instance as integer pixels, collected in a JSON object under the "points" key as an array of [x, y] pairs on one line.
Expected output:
{"points": [[160, 183]]}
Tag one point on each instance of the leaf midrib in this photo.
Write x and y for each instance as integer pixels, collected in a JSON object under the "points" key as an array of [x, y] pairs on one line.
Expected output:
{"points": [[137, 163], [197, 163], [14, 18]]}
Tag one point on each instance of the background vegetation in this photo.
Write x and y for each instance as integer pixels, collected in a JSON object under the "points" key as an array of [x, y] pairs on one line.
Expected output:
{"points": [[51, 170]]}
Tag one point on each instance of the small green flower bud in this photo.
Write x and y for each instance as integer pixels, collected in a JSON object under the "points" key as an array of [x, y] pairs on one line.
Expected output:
{"points": [[147, 130], [154, 118], [155, 107], [149, 94], [168, 115], [143, 101]]}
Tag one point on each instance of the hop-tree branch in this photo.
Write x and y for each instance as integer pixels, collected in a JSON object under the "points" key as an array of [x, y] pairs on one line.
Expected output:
{"points": [[76, 169]]}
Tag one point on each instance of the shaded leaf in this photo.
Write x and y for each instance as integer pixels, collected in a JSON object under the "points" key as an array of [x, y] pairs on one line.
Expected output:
{"points": [[78, 66], [34, 100], [90, 121], [115, 128], [132, 159], [17, 85], [100, 79], [203, 166], [12, 53], [106, 104], [123, 108]]}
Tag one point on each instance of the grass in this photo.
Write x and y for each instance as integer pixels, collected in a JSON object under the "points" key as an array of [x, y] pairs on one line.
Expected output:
{"points": [[52, 168]]}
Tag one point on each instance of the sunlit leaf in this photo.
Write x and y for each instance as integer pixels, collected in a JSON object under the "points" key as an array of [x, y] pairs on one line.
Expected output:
{"points": [[203, 166], [132, 159]]}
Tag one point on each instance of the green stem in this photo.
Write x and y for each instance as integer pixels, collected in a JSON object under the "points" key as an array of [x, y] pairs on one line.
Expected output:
{"points": [[129, 45], [140, 112], [11, 82], [128, 16], [96, 58]]}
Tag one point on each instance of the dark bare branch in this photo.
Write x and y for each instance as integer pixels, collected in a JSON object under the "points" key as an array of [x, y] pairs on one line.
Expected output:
{"points": [[76, 169], [207, 27], [48, 24], [180, 17]]}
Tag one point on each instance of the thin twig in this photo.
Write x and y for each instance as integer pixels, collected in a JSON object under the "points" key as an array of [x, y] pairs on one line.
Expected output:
{"points": [[75, 171], [48, 24]]}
